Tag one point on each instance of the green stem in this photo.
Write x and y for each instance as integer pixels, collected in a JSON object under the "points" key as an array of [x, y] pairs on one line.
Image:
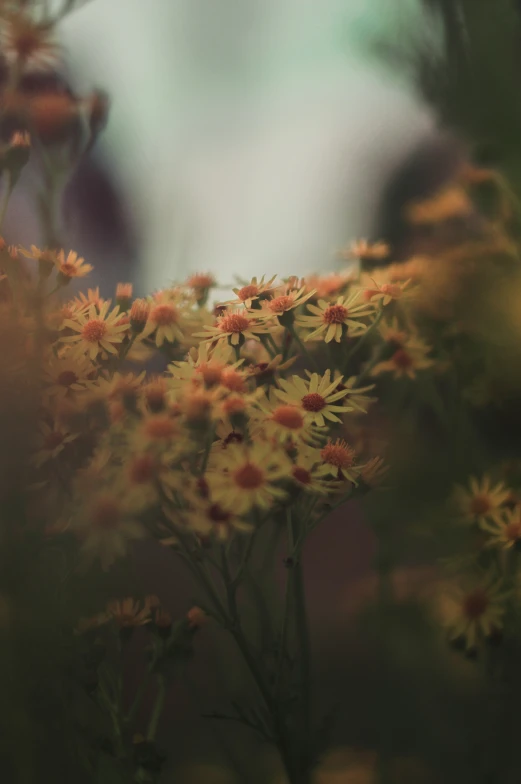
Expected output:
{"points": [[5, 200], [158, 708], [356, 348], [303, 349]]}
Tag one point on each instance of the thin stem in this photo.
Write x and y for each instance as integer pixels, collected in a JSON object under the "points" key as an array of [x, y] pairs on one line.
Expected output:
{"points": [[356, 348], [158, 708], [311, 359], [5, 199]]}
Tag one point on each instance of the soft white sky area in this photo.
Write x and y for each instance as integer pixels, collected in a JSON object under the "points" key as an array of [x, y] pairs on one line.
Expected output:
{"points": [[252, 136]]}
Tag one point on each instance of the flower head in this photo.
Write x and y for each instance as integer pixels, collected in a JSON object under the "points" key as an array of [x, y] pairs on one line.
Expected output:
{"points": [[481, 500], [71, 266], [27, 42], [165, 319], [83, 301], [97, 332], [365, 251], [473, 610], [504, 528], [450, 202], [128, 613], [253, 291], [66, 374], [234, 327], [338, 460], [332, 321], [287, 300], [317, 397]]}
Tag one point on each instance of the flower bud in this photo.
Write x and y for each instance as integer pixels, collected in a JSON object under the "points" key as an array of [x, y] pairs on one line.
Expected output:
{"points": [[139, 313]]}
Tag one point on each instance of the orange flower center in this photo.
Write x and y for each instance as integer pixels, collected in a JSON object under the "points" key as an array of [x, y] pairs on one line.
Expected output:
{"points": [[67, 378], [234, 322], [247, 292], [288, 416], [211, 373], [142, 469], [106, 514], [301, 475], [513, 531], [164, 315], [280, 304], [233, 380], [249, 477], [313, 402], [335, 314], [338, 454], [402, 359], [94, 331], [200, 281], [480, 505], [68, 269], [475, 604], [160, 428], [233, 405]]}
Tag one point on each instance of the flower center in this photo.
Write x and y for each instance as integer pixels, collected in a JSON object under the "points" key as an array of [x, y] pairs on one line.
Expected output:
{"points": [[480, 505], [68, 269], [142, 469], [249, 477], [402, 359], [67, 378], [247, 292], [301, 475], [234, 322], [211, 373], [106, 514], [288, 416], [160, 428], [280, 304], [313, 402], [164, 315], [513, 531], [335, 314], [233, 380], [94, 331], [339, 454], [475, 604]]}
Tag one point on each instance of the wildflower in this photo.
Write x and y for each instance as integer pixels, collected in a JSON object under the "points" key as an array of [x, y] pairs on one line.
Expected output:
{"points": [[124, 295], [334, 320], [50, 442], [472, 611], [165, 319], [155, 393], [201, 283], [306, 471], [247, 477], [355, 398], [392, 332], [29, 43], [253, 291], [139, 313], [339, 459], [65, 374], [83, 301], [89, 624], [106, 524], [266, 372], [210, 520], [316, 397], [281, 421], [281, 305], [405, 361], [329, 285], [203, 365], [128, 613], [450, 202], [480, 500], [98, 332], [365, 251], [71, 267], [385, 292], [234, 327], [504, 528]]}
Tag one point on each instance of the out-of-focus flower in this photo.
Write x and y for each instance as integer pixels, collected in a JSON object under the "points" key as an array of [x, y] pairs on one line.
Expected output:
{"points": [[365, 251], [139, 313], [373, 472], [384, 292], [504, 528], [450, 202], [317, 397], [165, 320], [124, 295], [66, 374], [480, 500], [409, 358], [71, 267], [128, 613], [92, 297], [333, 321], [196, 617], [329, 285], [51, 440], [28, 43]]}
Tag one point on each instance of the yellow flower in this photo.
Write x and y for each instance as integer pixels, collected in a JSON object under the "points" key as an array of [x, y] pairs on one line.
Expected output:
{"points": [[481, 500], [335, 320], [98, 332], [105, 524], [330, 285], [405, 361], [504, 528], [71, 267], [338, 461], [365, 251], [355, 398], [392, 332], [316, 397], [307, 473], [27, 42], [450, 202], [253, 291], [385, 292], [246, 476], [204, 365], [209, 520], [128, 613], [472, 611], [235, 326], [268, 371], [287, 300], [65, 374], [83, 301], [281, 421], [50, 442], [166, 319]]}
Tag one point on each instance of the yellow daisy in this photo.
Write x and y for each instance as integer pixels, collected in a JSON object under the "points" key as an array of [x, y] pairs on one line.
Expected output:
{"points": [[338, 461], [253, 291], [209, 520], [281, 421], [246, 477], [71, 267], [92, 297], [66, 373], [166, 319], [333, 321], [282, 303], [98, 332], [384, 292], [480, 500], [316, 397], [405, 361], [504, 528], [330, 285], [234, 327], [306, 471], [51, 440], [473, 611], [128, 613], [203, 365]]}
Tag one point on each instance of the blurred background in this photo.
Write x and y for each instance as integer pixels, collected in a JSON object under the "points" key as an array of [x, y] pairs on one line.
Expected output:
{"points": [[245, 136]]}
